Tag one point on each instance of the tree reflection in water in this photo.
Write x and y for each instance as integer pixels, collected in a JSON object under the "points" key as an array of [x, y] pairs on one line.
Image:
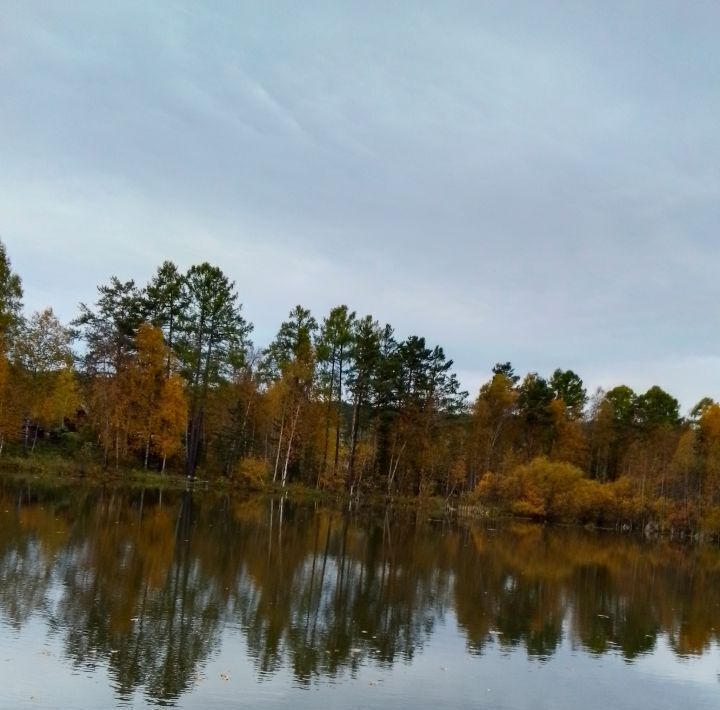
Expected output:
{"points": [[147, 583]]}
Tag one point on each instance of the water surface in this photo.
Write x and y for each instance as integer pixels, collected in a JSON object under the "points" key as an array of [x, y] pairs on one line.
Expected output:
{"points": [[116, 598]]}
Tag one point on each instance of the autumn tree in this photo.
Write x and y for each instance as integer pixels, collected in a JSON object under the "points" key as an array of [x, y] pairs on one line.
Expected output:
{"points": [[416, 390], [568, 442], [657, 416], [289, 366], [10, 319], [234, 413], [444, 404], [699, 409], [11, 413], [493, 414], [601, 436], [108, 330], [171, 419], [158, 410], [44, 357], [685, 470], [708, 439], [620, 406], [507, 370]]}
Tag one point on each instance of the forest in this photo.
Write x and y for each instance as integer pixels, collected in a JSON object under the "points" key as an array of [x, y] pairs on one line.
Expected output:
{"points": [[165, 377]]}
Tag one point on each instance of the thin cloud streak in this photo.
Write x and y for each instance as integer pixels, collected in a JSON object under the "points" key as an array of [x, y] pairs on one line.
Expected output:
{"points": [[514, 182]]}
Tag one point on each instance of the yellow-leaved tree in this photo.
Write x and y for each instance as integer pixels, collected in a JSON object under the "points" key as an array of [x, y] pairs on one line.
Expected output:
{"points": [[10, 410], [158, 409], [44, 376], [146, 375], [172, 417]]}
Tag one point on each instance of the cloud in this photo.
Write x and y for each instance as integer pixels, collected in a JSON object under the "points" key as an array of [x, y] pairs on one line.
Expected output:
{"points": [[515, 182]]}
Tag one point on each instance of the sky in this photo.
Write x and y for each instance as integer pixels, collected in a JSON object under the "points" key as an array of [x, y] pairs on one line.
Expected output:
{"points": [[523, 181]]}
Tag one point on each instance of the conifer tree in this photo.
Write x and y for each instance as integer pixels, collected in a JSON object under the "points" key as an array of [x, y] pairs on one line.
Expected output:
{"points": [[212, 342]]}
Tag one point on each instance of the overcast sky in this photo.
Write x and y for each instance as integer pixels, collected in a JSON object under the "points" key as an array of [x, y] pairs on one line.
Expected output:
{"points": [[528, 181]]}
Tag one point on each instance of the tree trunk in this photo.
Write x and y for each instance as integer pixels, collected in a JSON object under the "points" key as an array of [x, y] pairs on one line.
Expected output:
{"points": [[193, 444], [393, 469], [493, 441], [169, 345], [290, 443], [353, 442], [338, 416], [279, 446], [327, 416]]}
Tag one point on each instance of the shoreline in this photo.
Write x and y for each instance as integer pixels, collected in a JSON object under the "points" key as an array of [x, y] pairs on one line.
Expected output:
{"points": [[55, 472]]}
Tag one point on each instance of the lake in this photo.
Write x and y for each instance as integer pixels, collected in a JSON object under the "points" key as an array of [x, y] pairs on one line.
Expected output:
{"points": [[136, 598]]}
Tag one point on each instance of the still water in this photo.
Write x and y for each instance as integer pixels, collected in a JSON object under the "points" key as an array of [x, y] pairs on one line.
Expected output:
{"points": [[116, 598]]}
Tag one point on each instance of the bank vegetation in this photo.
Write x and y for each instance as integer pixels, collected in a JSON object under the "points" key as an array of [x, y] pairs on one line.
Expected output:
{"points": [[164, 377]]}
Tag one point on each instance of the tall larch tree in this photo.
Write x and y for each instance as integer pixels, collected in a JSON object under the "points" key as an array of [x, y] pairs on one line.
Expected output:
{"points": [[365, 358], [165, 300], [145, 381], [333, 350], [172, 418], [493, 414], [109, 327], [534, 398], [568, 439], [108, 330], [289, 366], [212, 342]]}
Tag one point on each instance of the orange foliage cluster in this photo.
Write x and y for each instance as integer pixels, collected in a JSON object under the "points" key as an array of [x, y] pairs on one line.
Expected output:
{"points": [[560, 492]]}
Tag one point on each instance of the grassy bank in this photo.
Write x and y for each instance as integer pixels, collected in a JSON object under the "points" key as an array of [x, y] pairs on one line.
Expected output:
{"points": [[541, 491]]}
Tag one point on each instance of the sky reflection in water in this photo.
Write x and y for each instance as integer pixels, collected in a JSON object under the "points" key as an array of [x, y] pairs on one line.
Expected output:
{"points": [[134, 598]]}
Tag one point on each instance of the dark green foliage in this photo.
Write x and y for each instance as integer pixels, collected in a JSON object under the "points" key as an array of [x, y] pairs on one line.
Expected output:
{"points": [[165, 300], [294, 339], [506, 369], [657, 408], [568, 387], [624, 405], [109, 328], [212, 342]]}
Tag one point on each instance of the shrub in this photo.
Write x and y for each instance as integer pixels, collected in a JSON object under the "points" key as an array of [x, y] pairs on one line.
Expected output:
{"points": [[541, 489], [252, 472]]}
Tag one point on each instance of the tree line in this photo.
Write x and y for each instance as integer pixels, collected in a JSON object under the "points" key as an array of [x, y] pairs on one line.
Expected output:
{"points": [[165, 376]]}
